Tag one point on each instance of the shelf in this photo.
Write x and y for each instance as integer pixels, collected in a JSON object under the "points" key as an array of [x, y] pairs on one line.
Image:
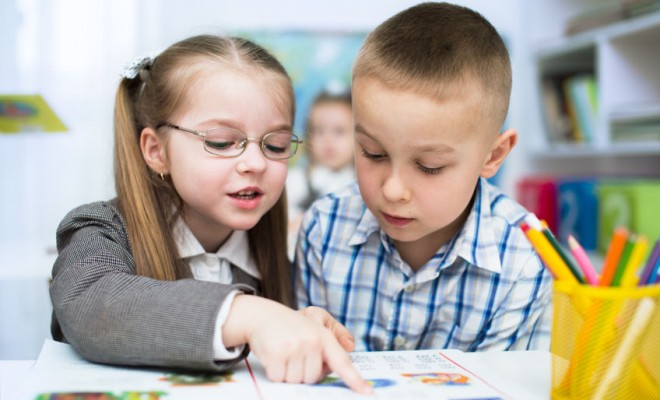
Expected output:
{"points": [[584, 40], [636, 112], [580, 150], [618, 113]]}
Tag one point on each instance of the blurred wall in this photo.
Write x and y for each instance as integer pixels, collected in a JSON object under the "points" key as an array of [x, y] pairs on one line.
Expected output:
{"points": [[71, 52]]}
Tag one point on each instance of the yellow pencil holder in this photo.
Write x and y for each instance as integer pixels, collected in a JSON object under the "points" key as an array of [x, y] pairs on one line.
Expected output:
{"points": [[605, 342]]}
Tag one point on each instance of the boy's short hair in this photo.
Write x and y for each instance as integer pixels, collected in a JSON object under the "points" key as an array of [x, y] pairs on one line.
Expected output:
{"points": [[429, 46]]}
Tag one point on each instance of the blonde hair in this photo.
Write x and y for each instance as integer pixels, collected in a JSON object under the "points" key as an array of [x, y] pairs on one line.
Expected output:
{"points": [[146, 201], [431, 46]]}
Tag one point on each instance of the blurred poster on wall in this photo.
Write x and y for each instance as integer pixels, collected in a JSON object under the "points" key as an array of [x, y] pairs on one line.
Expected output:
{"points": [[27, 113], [316, 62]]}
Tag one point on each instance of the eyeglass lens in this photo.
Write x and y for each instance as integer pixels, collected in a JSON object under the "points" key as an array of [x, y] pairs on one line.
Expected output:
{"points": [[231, 143]]}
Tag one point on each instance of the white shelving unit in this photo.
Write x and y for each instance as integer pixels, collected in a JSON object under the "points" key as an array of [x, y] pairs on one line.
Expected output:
{"points": [[625, 60]]}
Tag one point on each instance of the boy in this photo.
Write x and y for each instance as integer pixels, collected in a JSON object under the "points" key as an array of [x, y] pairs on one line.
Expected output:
{"points": [[427, 254]]}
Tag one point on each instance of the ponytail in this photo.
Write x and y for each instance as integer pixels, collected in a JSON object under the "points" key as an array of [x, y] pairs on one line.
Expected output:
{"points": [[149, 233]]}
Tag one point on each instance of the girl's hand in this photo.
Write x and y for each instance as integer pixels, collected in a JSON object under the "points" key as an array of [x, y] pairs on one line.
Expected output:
{"points": [[323, 317], [291, 346]]}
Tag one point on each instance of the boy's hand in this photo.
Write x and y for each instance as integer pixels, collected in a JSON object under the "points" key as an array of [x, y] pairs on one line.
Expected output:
{"points": [[291, 346], [342, 334]]}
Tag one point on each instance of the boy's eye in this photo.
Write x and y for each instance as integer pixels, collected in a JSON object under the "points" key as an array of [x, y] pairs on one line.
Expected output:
{"points": [[371, 156], [430, 171]]}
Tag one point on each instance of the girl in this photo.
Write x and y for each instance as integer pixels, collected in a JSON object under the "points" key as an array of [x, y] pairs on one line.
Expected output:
{"points": [[330, 168], [163, 274]]}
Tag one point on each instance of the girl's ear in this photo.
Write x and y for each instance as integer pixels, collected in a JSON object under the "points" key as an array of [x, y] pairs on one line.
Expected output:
{"points": [[501, 147], [153, 151]]}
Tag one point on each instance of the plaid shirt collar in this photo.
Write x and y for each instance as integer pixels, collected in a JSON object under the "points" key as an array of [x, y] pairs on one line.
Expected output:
{"points": [[474, 243]]}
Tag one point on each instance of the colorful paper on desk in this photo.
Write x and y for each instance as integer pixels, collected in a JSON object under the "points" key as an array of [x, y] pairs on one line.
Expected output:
{"points": [[423, 374], [397, 375], [27, 113]]}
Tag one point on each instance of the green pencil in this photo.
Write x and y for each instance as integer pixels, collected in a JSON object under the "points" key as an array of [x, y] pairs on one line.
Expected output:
{"points": [[623, 261], [568, 260]]}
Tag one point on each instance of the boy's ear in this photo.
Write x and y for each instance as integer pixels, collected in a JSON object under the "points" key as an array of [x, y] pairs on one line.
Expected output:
{"points": [[501, 147], [153, 150]]}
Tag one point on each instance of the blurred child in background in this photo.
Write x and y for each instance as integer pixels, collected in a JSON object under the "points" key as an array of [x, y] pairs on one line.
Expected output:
{"points": [[330, 167]]}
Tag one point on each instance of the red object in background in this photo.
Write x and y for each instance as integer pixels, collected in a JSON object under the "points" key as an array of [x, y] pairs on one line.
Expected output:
{"points": [[538, 194]]}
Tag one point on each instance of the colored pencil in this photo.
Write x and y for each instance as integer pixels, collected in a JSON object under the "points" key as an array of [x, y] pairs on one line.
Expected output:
{"points": [[650, 264], [565, 257], [629, 278], [547, 253], [623, 261], [583, 261], [636, 328], [655, 275], [617, 243]]}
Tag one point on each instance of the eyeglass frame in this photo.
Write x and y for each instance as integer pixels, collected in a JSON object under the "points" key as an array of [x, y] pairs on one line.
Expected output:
{"points": [[242, 144]]}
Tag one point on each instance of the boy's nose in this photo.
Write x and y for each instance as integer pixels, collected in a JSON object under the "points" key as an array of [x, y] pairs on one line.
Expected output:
{"points": [[395, 189]]}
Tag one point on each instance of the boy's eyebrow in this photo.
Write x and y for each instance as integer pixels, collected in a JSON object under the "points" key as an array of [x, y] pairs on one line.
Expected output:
{"points": [[360, 129], [436, 148]]}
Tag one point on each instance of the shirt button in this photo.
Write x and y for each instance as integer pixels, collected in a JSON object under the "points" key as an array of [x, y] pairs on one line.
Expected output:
{"points": [[399, 341], [409, 288]]}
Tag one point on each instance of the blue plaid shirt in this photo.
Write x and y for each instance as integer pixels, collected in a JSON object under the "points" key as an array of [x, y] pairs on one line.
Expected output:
{"points": [[484, 290]]}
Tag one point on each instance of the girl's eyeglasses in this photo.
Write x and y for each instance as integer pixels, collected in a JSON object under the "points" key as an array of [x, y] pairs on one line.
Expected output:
{"points": [[228, 142]]}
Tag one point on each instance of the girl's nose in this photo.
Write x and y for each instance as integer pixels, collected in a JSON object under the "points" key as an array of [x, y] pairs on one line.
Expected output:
{"points": [[252, 159]]}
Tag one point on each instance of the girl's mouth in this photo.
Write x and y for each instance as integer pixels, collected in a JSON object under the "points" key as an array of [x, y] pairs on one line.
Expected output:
{"points": [[245, 194]]}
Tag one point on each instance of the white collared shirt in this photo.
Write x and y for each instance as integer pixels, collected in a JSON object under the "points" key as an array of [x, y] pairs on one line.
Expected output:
{"points": [[216, 267]]}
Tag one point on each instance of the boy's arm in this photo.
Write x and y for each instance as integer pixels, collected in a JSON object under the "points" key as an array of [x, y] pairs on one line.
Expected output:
{"points": [[524, 318], [309, 284]]}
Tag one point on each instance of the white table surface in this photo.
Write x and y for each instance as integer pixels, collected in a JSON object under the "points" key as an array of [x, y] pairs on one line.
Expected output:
{"points": [[522, 375], [519, 374]]}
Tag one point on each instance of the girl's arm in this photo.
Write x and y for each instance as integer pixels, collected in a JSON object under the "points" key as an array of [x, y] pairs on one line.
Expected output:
{"points": [[113, 316], [291, 346]]}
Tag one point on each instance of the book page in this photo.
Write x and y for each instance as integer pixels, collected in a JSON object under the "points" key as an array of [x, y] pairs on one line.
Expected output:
{"points": [[421, 374]]}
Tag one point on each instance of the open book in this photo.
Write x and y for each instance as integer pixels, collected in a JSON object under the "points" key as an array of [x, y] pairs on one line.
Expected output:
{"points": [[61, 374]]}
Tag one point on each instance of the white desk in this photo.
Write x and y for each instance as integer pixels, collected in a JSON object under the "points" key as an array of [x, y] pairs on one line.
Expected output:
{"points": [[521, 375]]}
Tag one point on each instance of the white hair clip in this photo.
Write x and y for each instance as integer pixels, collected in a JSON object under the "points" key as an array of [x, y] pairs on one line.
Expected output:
{"points": [[133, 68]]}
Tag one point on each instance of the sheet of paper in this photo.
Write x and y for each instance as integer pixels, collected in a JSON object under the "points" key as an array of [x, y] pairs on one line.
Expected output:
{"points": [[396, 375]]}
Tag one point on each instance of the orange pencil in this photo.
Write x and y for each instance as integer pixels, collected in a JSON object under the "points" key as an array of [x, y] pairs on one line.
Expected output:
{"points": [[617, 243]]}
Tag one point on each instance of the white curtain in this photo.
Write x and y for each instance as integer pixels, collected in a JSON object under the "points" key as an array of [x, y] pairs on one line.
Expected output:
{"points": [[70, 52]]}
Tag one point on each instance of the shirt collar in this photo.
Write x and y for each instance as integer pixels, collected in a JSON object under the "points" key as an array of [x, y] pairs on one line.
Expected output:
{"points": [[475, 243], [367, 225], [235, 250]]}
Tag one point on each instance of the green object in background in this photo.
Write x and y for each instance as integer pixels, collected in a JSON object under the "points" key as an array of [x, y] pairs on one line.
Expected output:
{"points": [[632, 204], [27, 113]]}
